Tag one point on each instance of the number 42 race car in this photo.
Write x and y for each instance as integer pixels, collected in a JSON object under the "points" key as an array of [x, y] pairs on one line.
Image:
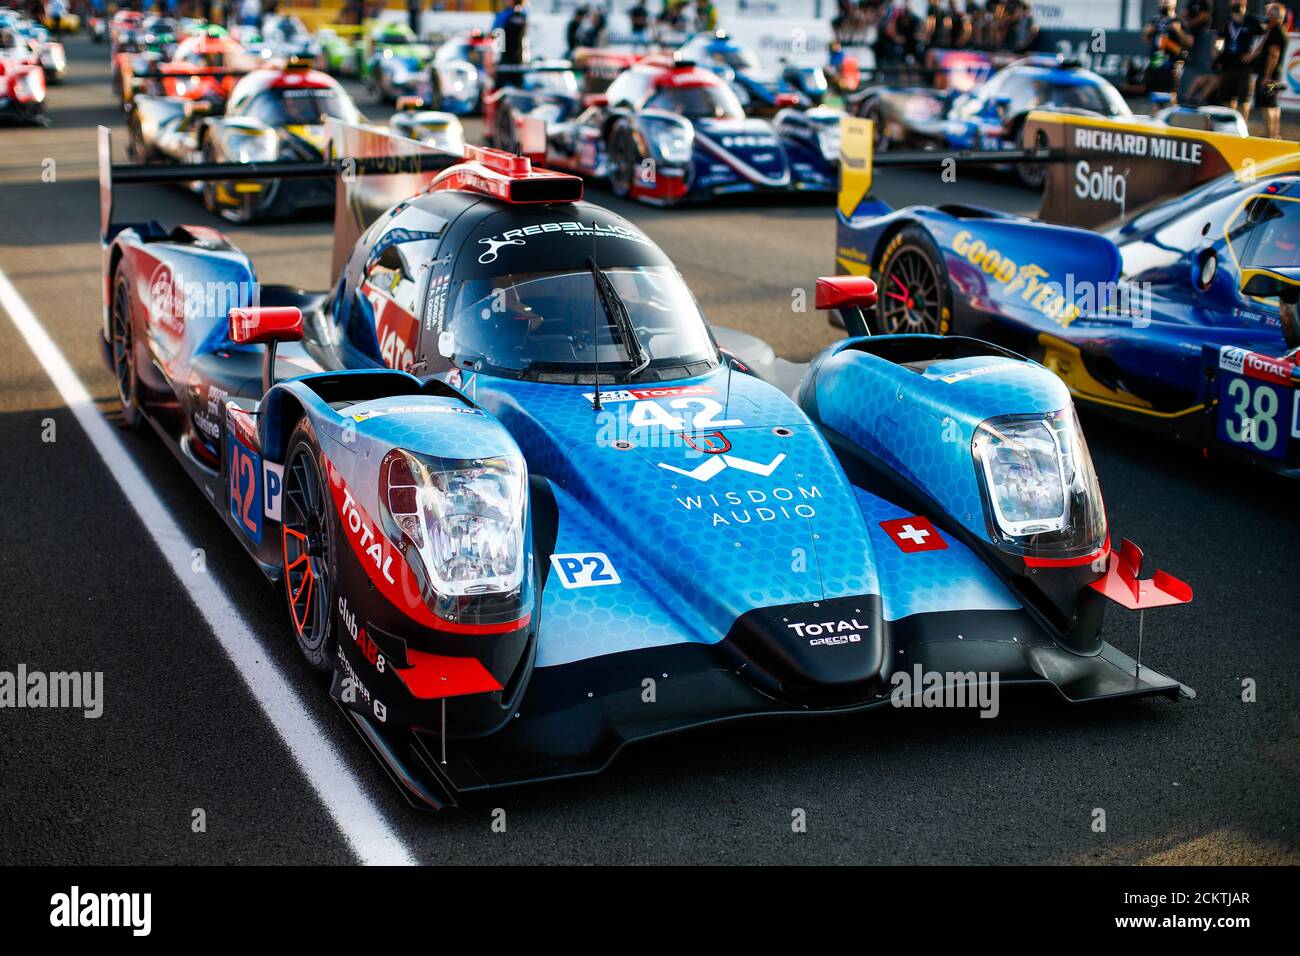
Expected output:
{"points": [[448, 465]]}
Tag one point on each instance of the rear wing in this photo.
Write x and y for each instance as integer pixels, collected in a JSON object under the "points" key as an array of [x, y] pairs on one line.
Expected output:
{"points": [[1114, 168], [858, 160], [372, 169], [1098, 170]]}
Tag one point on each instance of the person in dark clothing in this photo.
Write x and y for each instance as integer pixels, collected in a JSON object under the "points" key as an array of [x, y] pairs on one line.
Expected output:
{"points": [[514, 34], [1239, 33], [413, 15], [1269, 56], [573, 30], [1165, 41], [1198, 33]]}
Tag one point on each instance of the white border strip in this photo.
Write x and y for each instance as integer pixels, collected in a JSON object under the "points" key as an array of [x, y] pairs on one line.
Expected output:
{"points": [[356, 815]]}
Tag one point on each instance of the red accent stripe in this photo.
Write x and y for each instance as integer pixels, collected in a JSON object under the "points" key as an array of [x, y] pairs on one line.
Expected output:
{"points": [[1033, 562], [502, 628]]}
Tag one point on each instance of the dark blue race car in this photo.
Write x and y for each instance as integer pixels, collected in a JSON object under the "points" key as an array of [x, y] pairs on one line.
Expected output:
{"points": [[1179, 315], [667, 131], [762, 92], [521, 506], [991, 115]]}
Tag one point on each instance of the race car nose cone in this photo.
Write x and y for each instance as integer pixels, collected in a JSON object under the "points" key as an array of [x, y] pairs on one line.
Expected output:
{"points": [[822, 651]]}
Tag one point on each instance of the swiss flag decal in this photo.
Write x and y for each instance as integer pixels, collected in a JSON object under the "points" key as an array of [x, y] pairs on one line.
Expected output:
{"points": [[914, 534]]}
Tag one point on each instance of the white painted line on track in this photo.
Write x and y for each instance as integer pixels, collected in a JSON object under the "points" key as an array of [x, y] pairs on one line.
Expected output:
{"points": [[358, 818]]}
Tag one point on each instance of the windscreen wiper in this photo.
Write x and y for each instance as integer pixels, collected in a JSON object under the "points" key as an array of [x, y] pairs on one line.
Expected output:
{"points": [[616, 311]]}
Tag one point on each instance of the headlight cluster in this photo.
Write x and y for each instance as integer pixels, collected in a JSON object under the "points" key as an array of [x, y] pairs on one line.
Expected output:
{"points": [[672, 141], [1039, 484], [829, 141], [251, 146], [465, 519]]}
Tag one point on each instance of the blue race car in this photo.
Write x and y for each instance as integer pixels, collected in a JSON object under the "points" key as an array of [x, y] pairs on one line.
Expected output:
{"points": [[761, 92], [667, 131], [992, 115], [1180, 315], [520, 505]]}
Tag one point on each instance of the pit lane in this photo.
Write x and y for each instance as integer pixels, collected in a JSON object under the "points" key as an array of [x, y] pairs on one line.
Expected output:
{"points": [[1208, 781]]}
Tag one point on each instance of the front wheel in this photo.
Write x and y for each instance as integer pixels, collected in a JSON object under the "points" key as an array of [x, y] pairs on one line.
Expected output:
{"points": [[624, 158], [1033, 175], [875, 112], [914, 294], [122, 346], [306, 531]]}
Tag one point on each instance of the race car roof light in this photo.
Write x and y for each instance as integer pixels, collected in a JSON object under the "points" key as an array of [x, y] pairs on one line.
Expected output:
{"points": [[510, 178]]}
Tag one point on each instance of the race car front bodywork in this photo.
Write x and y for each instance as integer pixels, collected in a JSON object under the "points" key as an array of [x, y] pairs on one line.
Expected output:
{"points": [[670, 554], [1149, 321], [688, 160]]}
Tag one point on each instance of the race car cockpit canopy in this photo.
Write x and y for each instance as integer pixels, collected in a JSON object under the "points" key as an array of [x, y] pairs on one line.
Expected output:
{"points": [[551, 293]]}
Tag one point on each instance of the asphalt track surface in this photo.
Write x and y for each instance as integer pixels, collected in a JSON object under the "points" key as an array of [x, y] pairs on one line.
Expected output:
{"points": [[84, 587]]}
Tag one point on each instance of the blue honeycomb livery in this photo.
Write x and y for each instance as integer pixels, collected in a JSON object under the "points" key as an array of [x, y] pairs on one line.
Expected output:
{"points": [[923, 423]]}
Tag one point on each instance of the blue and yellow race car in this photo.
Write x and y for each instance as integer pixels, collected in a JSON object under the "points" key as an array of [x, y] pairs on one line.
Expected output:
{"points": [[991, 115], [1180, 313], [524, 510]]}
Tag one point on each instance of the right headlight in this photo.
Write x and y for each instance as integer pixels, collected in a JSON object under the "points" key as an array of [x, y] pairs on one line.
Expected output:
{"points": [[1039, 484]]}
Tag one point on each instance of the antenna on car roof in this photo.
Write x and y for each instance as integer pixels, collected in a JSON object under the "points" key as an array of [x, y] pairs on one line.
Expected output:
{"points": [[595, 325]]}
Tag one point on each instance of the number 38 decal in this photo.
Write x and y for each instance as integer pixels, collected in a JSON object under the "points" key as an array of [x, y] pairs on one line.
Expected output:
{"points": [[1256, 414]]}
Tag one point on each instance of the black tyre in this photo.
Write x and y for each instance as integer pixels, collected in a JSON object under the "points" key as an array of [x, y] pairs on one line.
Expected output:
{"points": [[503, 137], [136, 148], [624, 159], [875, 111], [307, 531], [1033, 175], [914, 293], [122, 349]]}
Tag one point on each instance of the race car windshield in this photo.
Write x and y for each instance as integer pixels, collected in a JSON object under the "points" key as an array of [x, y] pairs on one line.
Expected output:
{"points": [[697, 102], [550, 81], [737, 58], [467, 52], [532, 324], [1270, 234], [1098, 99], [302, 107]]}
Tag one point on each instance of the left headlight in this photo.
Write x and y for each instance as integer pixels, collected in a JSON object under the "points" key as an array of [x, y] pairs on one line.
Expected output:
{"points": [[672, 141], [465, 519], [1039, 484], [252, 147]]}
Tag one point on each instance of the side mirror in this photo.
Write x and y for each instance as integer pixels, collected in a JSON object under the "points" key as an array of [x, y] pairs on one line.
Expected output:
{"points": [[851, 295], [267, 325], [254, 326], [1281, 283]]}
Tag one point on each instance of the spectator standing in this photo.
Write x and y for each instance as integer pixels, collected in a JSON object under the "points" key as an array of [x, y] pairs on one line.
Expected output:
{"points": [[1198, 34], [573, 31], [1022, 32], [1164, 38], [514, 33], [639, 21], [1270, 54], [1240, 32]]}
